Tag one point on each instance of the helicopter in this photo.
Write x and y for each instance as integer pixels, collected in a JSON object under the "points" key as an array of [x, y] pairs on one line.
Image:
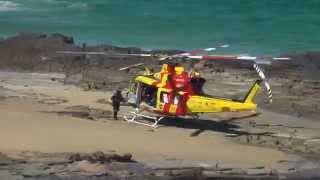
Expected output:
{"points": [[175, 92]]}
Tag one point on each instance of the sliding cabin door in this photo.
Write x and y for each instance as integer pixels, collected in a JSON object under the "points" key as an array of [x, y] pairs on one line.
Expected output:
{"points": [[134, 95], [170, 102]]}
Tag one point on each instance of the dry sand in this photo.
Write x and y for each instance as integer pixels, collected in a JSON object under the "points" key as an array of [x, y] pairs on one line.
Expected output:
{"points": [[27, 125]]}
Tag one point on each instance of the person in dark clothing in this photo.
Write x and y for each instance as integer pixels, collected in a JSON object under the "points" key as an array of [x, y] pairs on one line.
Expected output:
{"points": [[116, 99]]}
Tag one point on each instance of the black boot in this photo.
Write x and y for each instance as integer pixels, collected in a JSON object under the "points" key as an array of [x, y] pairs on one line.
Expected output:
{"points": [[115, 115]]}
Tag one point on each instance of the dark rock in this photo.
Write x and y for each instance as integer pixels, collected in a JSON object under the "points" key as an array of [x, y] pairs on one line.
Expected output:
{"points": [[124, 158], [32, 35], [33, 51], [98, 156], [194, 173], [101, 157], [75, 157], [65, 39]]}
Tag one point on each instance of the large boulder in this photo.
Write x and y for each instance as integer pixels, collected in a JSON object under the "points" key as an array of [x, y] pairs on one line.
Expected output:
{"points": [[30, 51]]}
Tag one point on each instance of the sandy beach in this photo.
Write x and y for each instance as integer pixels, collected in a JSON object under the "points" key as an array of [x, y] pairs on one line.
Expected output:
{"points": [[29, 125]]}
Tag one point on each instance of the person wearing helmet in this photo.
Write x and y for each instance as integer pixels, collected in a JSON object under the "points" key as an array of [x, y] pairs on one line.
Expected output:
{"points": [[116, 99]]}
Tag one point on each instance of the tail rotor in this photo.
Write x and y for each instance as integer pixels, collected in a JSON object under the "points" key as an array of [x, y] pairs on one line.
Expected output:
{"points": [[262, 76]]}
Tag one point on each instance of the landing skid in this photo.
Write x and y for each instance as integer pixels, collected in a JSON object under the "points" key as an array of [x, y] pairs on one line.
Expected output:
{"points": [[134, 115]]}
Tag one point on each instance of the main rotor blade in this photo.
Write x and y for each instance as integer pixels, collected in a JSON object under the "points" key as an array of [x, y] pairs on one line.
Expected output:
{"points": [[191, 53], [80, 53], [101, 53], [131, 66], [259, 60], [198, 51]]}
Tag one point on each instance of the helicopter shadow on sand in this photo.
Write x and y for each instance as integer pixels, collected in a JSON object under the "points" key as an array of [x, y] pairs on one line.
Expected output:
{"points": [[227, 127]]}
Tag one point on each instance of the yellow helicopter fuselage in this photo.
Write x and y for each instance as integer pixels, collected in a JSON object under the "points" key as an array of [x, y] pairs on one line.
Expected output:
{"points": [[166, 99]]}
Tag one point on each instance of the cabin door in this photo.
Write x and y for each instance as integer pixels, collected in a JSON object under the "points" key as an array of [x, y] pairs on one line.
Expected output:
{"points": [[134, 95], [171, 102], [148, 95]]}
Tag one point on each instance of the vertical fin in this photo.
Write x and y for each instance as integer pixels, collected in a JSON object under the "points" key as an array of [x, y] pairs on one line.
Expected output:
{"points": [[252, 92]]}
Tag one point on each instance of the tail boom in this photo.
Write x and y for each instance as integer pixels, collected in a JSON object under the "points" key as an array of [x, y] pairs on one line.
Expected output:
{"points": [[205, 104]]}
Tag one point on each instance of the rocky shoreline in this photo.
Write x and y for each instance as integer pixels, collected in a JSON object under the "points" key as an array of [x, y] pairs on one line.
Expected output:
{"points": [[38, 53], [100, 165], [295, 86]]}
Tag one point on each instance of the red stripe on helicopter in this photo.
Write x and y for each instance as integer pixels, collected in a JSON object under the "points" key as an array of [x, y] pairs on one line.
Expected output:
{"points": [[166, 107], [181, 107]]}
